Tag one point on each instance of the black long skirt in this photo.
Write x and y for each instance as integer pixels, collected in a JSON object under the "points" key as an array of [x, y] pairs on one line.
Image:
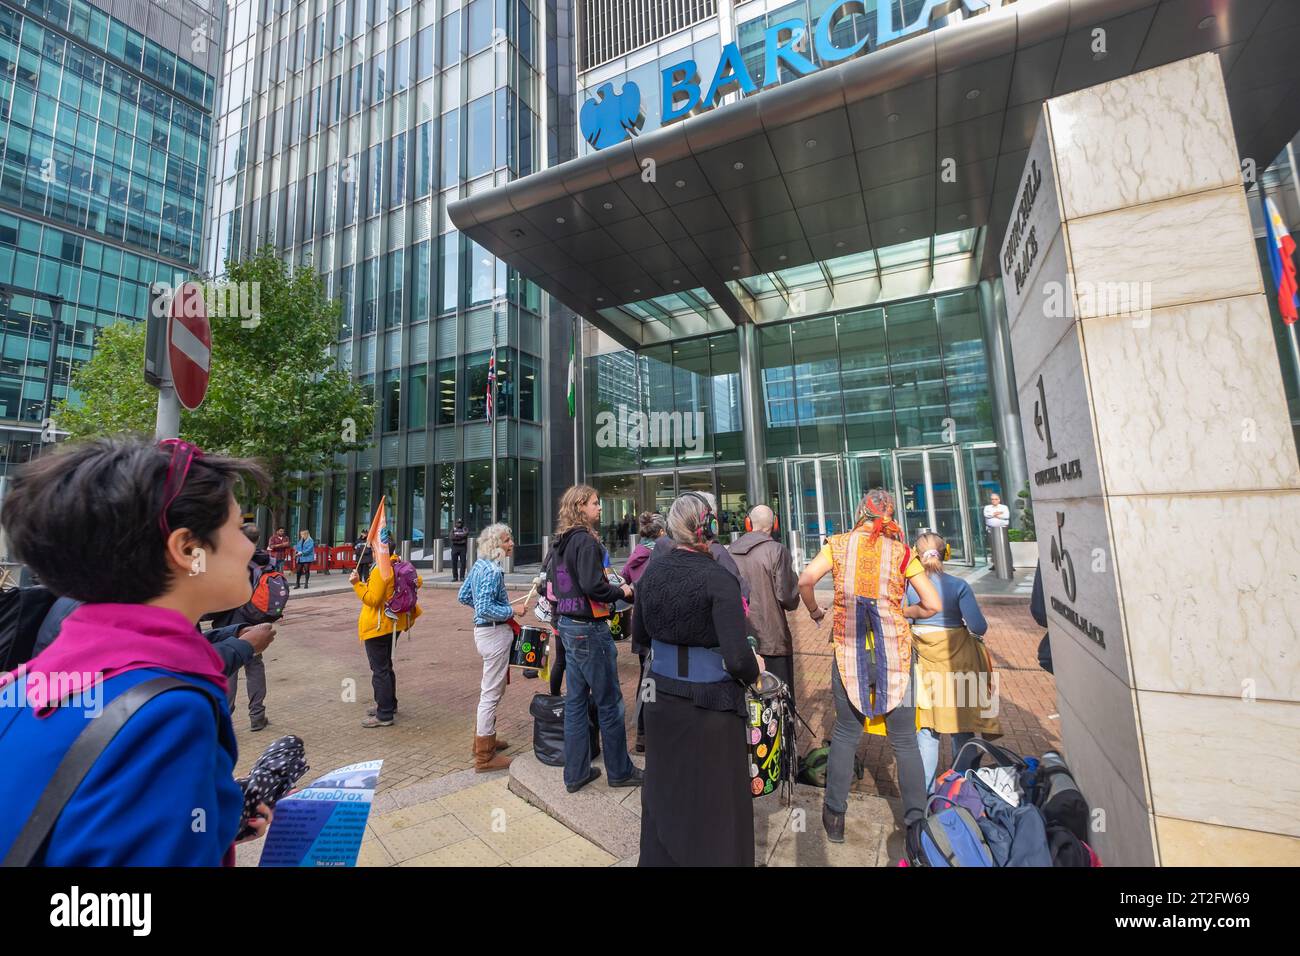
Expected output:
{"points": [[696, 807]]}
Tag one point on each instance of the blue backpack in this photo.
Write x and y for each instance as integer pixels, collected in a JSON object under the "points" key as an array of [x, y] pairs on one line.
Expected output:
{"points": [[948, 836]]}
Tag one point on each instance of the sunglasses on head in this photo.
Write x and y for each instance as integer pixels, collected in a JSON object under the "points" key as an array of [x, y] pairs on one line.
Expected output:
{"points": [[183, 455]]}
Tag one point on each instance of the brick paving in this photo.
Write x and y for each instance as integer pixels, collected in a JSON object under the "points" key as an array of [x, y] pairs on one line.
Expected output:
{"points": [[319, 689]]}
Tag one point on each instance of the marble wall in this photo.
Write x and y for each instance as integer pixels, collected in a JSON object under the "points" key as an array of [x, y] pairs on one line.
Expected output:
{"points": [[1164, 475]]}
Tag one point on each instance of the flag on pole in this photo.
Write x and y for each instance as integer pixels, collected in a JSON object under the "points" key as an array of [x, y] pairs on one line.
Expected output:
{"points": [[1281, 248], [573, 380], [377, 540], [492, 387]]}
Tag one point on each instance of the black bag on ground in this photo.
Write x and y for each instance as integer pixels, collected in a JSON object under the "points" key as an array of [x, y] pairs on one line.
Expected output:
{"points": [[1060, 798], [22, 610], [547, 711]]}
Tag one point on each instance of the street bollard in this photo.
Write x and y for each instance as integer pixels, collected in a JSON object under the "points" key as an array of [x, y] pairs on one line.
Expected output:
{"points": [[471, 553], [437, 555], [406, 551], [796, 551], [1000, 544], [508, 563], [546, 546]]}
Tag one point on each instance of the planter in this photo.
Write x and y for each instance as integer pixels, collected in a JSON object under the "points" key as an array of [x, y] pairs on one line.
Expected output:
{"points": [[1024, 554]]}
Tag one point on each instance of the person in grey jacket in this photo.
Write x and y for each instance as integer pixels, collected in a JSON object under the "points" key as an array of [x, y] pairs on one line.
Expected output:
{"points": [[766, 567]]}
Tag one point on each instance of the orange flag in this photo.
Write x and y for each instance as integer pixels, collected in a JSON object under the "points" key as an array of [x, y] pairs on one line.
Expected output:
{"points": [[377, 540]]}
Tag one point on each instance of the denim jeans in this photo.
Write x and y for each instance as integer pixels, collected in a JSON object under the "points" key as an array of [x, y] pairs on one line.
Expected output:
{"points": [[591, 665], [928, 741]]}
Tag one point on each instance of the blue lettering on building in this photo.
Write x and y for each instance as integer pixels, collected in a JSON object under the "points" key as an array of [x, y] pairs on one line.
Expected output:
{"points": [[609, 119]]}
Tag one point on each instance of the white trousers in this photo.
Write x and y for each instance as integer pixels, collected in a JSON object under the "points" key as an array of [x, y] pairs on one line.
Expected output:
{"points": [[493, 642]]}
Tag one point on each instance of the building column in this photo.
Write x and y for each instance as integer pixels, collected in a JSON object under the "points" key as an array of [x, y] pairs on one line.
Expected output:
{"points": [[1006, 404], [752, 417]]}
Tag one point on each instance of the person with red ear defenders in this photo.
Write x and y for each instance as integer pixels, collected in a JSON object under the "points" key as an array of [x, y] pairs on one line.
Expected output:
{"points": [[765, 565]]}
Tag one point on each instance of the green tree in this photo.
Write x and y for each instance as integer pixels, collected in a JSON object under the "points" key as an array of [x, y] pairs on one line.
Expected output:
{"points": [[275, 392]]}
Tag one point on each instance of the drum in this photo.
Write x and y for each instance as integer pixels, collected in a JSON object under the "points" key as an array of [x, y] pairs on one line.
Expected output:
{"points": [[768, 727], [529, 647]]}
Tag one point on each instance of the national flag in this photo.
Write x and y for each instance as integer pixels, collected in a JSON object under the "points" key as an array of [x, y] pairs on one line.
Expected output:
{"points": [[377, 540], [1281, 249], [491, 388], [573, 381]]}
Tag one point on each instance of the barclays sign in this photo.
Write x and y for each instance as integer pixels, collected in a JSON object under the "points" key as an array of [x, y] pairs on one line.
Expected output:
{"points": [[610, 118]]}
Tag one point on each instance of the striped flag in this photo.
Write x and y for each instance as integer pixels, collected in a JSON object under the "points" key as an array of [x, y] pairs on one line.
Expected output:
{"points": [[492, 387], [1281, 248]]}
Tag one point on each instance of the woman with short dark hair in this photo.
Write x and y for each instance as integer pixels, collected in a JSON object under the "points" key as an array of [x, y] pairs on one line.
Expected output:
{"points": [[148, 536]]}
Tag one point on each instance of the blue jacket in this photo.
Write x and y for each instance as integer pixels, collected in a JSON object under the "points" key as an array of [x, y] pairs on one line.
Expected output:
{"points": [[162, 794], [485, 590], [306, 549]]}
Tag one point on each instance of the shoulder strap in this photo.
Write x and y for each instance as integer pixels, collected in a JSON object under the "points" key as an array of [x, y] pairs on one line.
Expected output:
{"points": [[80, 757]]}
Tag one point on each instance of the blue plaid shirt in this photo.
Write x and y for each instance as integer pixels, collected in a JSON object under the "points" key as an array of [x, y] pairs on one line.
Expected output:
{"points": [[485, 590]]}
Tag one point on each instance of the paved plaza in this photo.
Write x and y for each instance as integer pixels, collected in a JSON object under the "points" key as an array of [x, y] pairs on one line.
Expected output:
{"points": [[432, 809]]}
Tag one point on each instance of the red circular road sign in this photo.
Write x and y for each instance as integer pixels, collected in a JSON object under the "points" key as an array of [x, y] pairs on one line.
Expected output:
{"points": [[189, 344]]}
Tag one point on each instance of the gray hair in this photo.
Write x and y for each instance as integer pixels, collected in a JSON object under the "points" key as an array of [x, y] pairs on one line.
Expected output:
{"points": [[685, 518], [491, 540]]}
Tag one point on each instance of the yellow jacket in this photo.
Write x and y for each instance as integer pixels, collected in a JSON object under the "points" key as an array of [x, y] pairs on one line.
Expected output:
{"points": [[374, 593]]}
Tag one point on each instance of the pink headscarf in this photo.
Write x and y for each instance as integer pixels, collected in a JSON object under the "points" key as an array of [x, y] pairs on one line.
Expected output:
{"points": [[98, 641]]}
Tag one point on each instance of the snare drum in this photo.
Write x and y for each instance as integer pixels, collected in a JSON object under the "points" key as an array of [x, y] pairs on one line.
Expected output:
{"points": [[766, 727], [529, 647]]}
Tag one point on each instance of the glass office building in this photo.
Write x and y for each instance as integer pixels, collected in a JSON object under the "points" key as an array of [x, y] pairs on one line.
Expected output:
{"points": [[781, 232], [105, 123], [345, 128]]}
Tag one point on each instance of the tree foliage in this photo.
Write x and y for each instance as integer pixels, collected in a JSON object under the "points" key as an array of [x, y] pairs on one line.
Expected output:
{"points": [[275, 392]]}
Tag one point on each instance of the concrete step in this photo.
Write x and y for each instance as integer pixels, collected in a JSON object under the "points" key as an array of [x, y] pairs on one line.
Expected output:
{"points": [[783, 835]]}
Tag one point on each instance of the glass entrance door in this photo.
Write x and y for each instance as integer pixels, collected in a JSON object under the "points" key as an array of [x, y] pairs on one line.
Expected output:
{"points": [[815, 503], [932, 496]]}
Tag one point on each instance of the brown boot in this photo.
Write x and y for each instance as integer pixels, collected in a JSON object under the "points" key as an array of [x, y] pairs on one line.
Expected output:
{"points": [[500, 745], [486, 757]]}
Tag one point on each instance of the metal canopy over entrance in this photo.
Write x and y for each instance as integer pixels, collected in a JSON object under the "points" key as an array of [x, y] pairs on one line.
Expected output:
{"points": [[852, 158]]}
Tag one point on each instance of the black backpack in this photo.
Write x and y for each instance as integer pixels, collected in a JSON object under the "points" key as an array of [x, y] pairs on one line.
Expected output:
{"points": [[22, 610], [548, 728]]}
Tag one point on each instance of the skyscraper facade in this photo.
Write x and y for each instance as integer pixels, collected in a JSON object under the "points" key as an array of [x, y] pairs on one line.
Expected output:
{"points": [[105, 124], [345, 129]]}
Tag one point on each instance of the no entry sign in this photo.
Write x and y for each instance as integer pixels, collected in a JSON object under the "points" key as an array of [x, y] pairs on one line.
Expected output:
{"points": [[189, 344]]}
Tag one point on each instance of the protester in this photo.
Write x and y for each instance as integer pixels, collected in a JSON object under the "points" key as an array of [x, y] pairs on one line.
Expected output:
{"points": [[254, 668], [955, 683], [306, 551], [485, 591], [379, 629], [697, 809], [720, 554], [280, 547], [871, 678], [363, 558], [459, 549], [768, 570], [583, 596], [651, 528], [142, 515]]}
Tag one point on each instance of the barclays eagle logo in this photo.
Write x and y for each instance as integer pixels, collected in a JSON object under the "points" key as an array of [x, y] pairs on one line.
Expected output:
{"points": [[611, 118]]}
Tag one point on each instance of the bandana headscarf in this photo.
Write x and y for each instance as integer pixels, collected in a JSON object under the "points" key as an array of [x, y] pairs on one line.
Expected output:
{"points": [[882, 524]]}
